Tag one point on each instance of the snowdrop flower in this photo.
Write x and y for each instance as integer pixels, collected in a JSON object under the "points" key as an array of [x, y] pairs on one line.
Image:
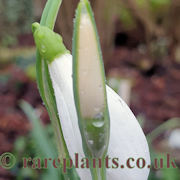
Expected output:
{"points": [[124, 139]]}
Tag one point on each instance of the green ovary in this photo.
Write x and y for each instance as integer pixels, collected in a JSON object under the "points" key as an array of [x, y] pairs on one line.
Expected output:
{"points": [[49, 43]]}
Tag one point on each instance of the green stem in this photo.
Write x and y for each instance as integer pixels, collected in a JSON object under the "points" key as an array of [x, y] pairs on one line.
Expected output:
{"points": [[50, 12], [51, 18], [47, 92], [43, 78], [45, 13], [98, 173]]}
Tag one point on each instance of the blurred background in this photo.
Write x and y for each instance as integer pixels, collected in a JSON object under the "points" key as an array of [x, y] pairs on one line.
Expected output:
{"points": [[140, 42]]}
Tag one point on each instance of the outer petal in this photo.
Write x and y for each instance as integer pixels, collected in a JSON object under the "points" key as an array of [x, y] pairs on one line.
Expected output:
{"points": [[127, 140], [126, 136], [61, 74]]}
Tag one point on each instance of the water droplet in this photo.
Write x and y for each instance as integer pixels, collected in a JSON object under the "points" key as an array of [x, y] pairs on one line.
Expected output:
{"points": [[91, 142], [43, 49], [98, 120], [99, 116], [98, 124]]}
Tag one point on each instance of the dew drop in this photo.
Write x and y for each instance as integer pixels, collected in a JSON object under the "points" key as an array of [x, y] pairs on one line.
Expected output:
{"points": [[98, 124], [99, 116], [43, 49], [98, 120], [91, 142]]}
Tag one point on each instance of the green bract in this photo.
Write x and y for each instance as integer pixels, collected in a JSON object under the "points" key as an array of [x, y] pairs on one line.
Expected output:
{"points": [[89, 87], [49, 43]]}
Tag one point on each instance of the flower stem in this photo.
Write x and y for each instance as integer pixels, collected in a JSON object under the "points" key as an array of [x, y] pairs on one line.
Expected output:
{"points": [[46, 90], [99, 172], [43, 78], [50, 13]]}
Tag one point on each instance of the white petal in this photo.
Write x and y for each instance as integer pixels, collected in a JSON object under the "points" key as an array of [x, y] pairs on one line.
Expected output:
{"points": [[126, 136], [126, 140], [61, 75]]}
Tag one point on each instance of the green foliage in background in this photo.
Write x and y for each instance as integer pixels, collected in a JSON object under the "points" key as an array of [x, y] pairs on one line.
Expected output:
{"points": [[126, 18], [164, 173], [16, 17], [159, 4], [38, 143]]}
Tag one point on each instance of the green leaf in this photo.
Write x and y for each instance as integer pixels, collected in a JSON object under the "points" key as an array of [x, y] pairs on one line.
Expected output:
{"points": [[43, 143], [170, 124], [38, 131]]}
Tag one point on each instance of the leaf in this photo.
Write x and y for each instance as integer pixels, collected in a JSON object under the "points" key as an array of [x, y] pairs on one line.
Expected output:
{"points": [[43, 143]]}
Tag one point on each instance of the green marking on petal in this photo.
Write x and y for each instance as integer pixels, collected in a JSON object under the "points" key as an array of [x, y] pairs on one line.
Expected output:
{"points": [[49, 43]]}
